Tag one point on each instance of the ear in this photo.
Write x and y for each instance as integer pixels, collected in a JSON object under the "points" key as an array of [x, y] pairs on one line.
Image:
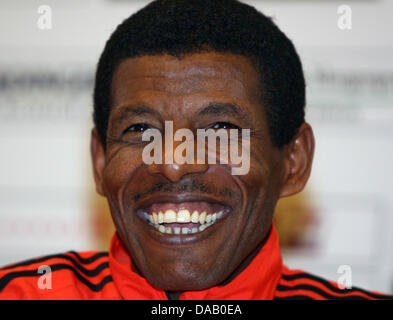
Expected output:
{"points": [[98, 159], [298, 159]]}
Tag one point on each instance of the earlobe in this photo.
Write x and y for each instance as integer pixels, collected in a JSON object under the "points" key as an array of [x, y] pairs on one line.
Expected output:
{"points": [[98, 160], [298, 161]]}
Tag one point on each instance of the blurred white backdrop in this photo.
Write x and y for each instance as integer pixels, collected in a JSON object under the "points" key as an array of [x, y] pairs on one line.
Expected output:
{"points": [[46, 80]]}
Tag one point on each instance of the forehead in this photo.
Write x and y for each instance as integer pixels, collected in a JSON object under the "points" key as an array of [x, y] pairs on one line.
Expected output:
{"points": [[218, 75]]}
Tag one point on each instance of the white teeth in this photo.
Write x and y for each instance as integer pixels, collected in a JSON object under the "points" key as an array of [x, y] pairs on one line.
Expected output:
{"points": [[195, 217], [183, 216], [160, 217], [170, 216], [202, 217]]}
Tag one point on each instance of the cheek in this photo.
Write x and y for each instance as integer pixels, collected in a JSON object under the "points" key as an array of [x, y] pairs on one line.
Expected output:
{"points": [[260, 172], [265, 164], [262, 184], [118, 172], [120, 164]]}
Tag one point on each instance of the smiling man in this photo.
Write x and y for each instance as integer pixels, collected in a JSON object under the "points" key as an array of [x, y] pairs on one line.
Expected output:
{"points": [[191, 229]]}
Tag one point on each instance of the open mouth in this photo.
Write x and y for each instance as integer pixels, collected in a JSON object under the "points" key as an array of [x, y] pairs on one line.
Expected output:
{"points": [[183, 218]]}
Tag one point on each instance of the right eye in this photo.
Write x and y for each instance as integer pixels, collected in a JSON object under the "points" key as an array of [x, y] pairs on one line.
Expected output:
{"points": [[139, 127]]}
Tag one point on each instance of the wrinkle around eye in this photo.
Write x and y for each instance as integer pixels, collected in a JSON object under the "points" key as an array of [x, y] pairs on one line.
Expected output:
{"points": [[119, 144], [113, 155]]}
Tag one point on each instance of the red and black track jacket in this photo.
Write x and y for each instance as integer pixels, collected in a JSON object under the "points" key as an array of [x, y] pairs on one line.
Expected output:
{"points": [[103, 275]]}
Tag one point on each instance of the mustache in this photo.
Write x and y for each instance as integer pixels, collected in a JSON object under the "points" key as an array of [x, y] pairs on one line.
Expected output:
{"points": [[186, 186]]}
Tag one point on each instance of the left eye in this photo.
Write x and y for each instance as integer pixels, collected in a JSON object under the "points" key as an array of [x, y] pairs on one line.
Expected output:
{"points": [[225, 125]]}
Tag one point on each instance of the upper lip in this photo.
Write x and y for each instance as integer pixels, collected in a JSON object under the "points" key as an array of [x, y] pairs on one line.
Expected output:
{"points": [[178, 198]]}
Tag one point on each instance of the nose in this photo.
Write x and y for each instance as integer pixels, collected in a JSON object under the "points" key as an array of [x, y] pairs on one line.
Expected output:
{"points": [[175, 171]]}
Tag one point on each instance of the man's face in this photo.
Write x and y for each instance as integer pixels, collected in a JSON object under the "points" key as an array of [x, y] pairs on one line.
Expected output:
{"points": [[199, 91]]}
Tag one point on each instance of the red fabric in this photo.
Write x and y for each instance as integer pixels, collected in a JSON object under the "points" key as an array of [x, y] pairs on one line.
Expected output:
{"points": [[99, 275], [257, 281]]}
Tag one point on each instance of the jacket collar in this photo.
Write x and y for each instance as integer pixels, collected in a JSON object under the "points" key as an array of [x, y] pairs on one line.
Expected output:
{"points": [[257, 281]]}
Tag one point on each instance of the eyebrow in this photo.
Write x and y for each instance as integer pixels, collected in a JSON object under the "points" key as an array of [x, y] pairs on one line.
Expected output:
{"points": [[129, 111], [230, 109], [212, 109]]}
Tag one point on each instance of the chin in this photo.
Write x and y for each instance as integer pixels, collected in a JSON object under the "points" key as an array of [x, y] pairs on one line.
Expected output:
{"points": [[182, 282]]}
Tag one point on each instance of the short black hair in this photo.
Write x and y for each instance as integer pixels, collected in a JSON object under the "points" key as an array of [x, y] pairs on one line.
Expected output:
{"points": [[181, 27]]}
